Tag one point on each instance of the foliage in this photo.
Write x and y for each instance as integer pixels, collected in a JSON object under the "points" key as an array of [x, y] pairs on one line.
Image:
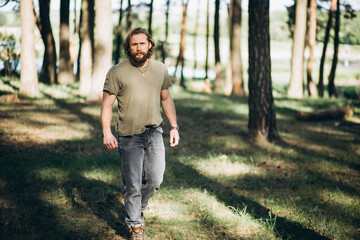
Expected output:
{"points": [[8, 54]]}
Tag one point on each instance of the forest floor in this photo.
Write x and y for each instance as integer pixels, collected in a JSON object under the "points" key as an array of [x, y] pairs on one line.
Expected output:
{"points": [[57, 181]]}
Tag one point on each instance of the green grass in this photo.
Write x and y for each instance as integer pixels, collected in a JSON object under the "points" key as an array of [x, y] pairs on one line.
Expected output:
{"points": [[57, 181]]}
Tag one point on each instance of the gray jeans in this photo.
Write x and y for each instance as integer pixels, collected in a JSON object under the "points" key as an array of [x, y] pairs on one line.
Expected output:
{"points": [[143, 166]]}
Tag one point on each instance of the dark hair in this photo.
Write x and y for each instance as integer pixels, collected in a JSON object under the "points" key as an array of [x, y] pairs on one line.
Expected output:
{"points": [[126, 44]]}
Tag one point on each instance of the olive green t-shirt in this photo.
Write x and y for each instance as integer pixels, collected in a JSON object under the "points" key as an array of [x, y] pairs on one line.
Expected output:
{"points": [[138, 95]]}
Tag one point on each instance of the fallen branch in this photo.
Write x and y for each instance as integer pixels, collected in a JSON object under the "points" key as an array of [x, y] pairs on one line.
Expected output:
{"points": [[326, 114]]}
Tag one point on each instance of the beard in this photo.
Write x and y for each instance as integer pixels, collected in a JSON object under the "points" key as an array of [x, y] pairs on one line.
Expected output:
{"points": [[139, 60]]}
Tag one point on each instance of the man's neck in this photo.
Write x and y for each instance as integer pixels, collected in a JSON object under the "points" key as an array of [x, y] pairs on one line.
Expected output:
{"points": [[139, 65]]}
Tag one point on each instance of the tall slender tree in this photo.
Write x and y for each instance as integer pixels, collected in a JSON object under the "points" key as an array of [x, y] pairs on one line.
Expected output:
{"points": [[87, 46], [119, 34], [48, 72], [262, 120], [207, 39], [219, 82], [164, 48], [150, 16], [28, 75], [195, 37], [235, 49], [297, 59], [129, 17], [66, 75], [331, 86], [181, 58], [103, 48], [311, 87], [320, 85]]}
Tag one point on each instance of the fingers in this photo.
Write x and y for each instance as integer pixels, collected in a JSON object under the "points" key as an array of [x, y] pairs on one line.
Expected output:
{"points": [[174, 138], [110, 143]]}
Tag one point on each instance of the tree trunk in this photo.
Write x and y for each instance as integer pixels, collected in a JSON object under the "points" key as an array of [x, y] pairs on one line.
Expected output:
{"points": [[103, 48], [128, 17], [195, 38], [48, 72], [219, 82], [66, 75], [150, 16], [311, 87], [262, 120], [28, 75], [331, 86], [180, 58], [297, 60], [86, 42], [323, 56], [119, 35], [207, 39], [235, 49], [164, 48]]}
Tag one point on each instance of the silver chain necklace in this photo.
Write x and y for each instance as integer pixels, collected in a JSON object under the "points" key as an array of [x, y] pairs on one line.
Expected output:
{"points": [[143, 72]]}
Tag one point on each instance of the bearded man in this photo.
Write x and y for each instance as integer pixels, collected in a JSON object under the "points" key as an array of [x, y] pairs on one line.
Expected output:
{"points": [[140, 85]]}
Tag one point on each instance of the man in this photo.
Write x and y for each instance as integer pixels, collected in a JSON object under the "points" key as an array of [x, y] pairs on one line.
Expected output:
{"points": [[140, 85]]}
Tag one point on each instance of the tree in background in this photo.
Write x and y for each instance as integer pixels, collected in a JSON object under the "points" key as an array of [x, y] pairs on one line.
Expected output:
{"points": [[28, 75], [297, 59], [207, 39], [262, 120], [48, 72], [128, 17], [180, 58], [164, 47], [331, 85], [86, 46], [119, 35], [195, 37], [150, 16], [311, 87], [66, 75], [235, 49], [103, 48], [320, 85], [219, 82]]}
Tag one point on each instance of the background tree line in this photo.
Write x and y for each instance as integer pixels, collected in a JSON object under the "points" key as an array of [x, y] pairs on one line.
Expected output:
{"points": [[99, 46]]}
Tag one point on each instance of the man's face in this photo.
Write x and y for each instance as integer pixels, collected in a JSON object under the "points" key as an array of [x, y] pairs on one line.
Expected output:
{"points": [[139, 48]]}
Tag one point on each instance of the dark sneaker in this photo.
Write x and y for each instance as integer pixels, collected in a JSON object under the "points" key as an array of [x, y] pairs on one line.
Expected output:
{"points": [[137, 232]]}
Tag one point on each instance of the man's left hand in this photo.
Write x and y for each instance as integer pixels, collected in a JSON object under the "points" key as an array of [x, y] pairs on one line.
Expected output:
{"points": [[174, 137]]}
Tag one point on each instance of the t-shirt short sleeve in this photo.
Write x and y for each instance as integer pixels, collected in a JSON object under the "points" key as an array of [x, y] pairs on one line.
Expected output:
{"points": [[167, 82], [111, 84]]}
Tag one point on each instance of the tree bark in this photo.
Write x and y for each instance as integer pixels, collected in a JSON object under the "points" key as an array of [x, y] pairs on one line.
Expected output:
{"points": [[219, 83], [331, 86], [235, 49], [66, 75], [28, 74], [323, 56], [87, 46], [119, 35], [297, 60], [103, 48], [48, 72], [262, 120], [311, 87], [150, 17]]}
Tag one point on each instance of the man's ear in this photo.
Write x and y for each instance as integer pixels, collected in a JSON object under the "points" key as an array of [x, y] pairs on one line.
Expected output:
{"points": [[150, 45]]}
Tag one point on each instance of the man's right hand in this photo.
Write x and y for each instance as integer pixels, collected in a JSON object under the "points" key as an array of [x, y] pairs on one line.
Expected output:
{"points": [[110, 141]]}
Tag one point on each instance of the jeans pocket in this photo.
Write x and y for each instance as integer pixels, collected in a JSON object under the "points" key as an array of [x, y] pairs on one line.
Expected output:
{"points": [[160, 130]]}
